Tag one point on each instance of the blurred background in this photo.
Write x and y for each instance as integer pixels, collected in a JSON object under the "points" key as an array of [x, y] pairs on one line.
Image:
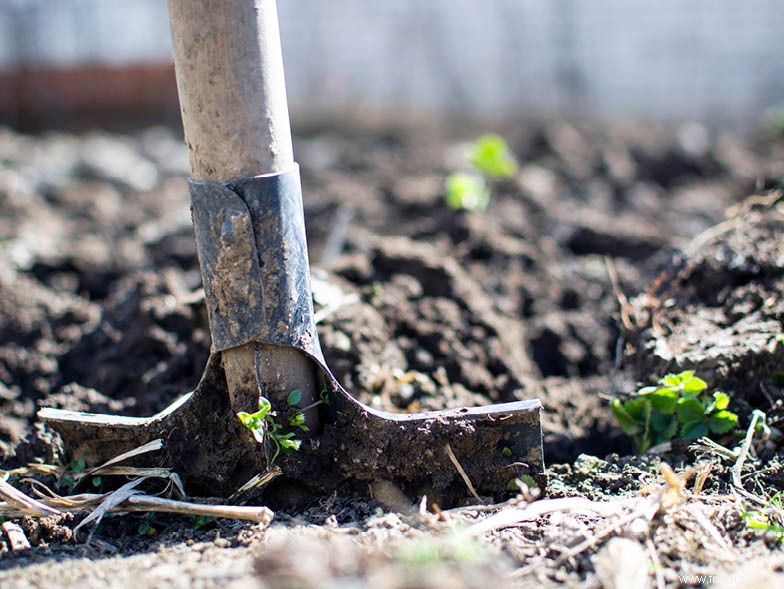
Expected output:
{"points": [[77, 63]]}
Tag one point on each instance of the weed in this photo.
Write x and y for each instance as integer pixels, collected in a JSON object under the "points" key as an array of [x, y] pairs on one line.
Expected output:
{"points": [[490, 155], [678, 406], [520, 482], [262, 423], [453, 549], [199, 522], [146, 527], [490, 160], [466, 192], [324, 397], [769, 519], [78, 466]]}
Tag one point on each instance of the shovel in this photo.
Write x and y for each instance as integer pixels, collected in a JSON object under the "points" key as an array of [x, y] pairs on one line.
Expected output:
{"points": [[249, 228]]}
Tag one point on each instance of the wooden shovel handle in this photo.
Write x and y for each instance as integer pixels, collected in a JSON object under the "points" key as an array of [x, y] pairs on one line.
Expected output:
{"points": [[229, 68]]}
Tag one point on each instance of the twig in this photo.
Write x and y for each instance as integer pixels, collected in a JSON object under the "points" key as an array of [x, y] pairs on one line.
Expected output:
{"points": [[756, 416], [512, 517], [128, 498], [16, 536], [252, 513], [710, 529], [623, 302], [702, 476], [708, 235], [24, 503], [111, 501], [152, 446], [705, 444], [462, 472], [259, 481], [647, 511]]}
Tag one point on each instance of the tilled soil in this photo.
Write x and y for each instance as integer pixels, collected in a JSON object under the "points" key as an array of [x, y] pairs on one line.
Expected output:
{"points": [[422, 307]]}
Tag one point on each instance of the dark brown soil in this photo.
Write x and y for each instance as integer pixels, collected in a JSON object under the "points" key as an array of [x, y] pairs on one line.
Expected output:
{"points": [[424, 308]]}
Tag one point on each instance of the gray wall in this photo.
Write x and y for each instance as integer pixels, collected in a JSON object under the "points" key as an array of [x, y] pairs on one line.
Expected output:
{"points": [[711, 60]]}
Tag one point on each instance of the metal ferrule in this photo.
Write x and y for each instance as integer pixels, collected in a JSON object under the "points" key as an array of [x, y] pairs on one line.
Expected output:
{"points": [[250, 236]]}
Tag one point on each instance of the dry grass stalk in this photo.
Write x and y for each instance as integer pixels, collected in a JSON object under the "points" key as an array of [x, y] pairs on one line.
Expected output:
{"points": [[259, 481], [462, 472], [17, 500], [110, 502], [626, 309], [737, 468], [148, 503], [702, 476], [152, 446]]}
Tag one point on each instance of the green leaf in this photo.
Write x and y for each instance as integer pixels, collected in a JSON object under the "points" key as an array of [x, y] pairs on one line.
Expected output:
{"points": [[628, 424], [294, 397], [264, 407], [691, 430], [689, 410], [258, 434], [639, 408], [720, 401], [490, 155], [287, 445], [298, 420], [694, 385], [466, 192], [664, 425], [79, 465], [676, 380], [664, 399], [246, 419], [722, 422]]}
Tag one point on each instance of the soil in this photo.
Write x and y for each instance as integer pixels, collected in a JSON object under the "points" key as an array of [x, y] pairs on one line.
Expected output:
{"points": [[615, 254]]}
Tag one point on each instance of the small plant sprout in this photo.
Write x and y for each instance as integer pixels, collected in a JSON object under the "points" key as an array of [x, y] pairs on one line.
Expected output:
{"points": [[490, 155], [297, 419], [678, 406], [262, 424], [768, 519], [489, 160], [466, 192]]}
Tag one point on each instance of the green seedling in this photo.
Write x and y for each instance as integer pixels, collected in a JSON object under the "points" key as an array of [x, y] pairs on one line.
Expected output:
{"points": [[524, 480], [490, 155], [77, 467], [198, 522], [489, 159], [453, 549], [146, 527], [678, 406], [769, 519], [262, 424], [466, 192]]}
